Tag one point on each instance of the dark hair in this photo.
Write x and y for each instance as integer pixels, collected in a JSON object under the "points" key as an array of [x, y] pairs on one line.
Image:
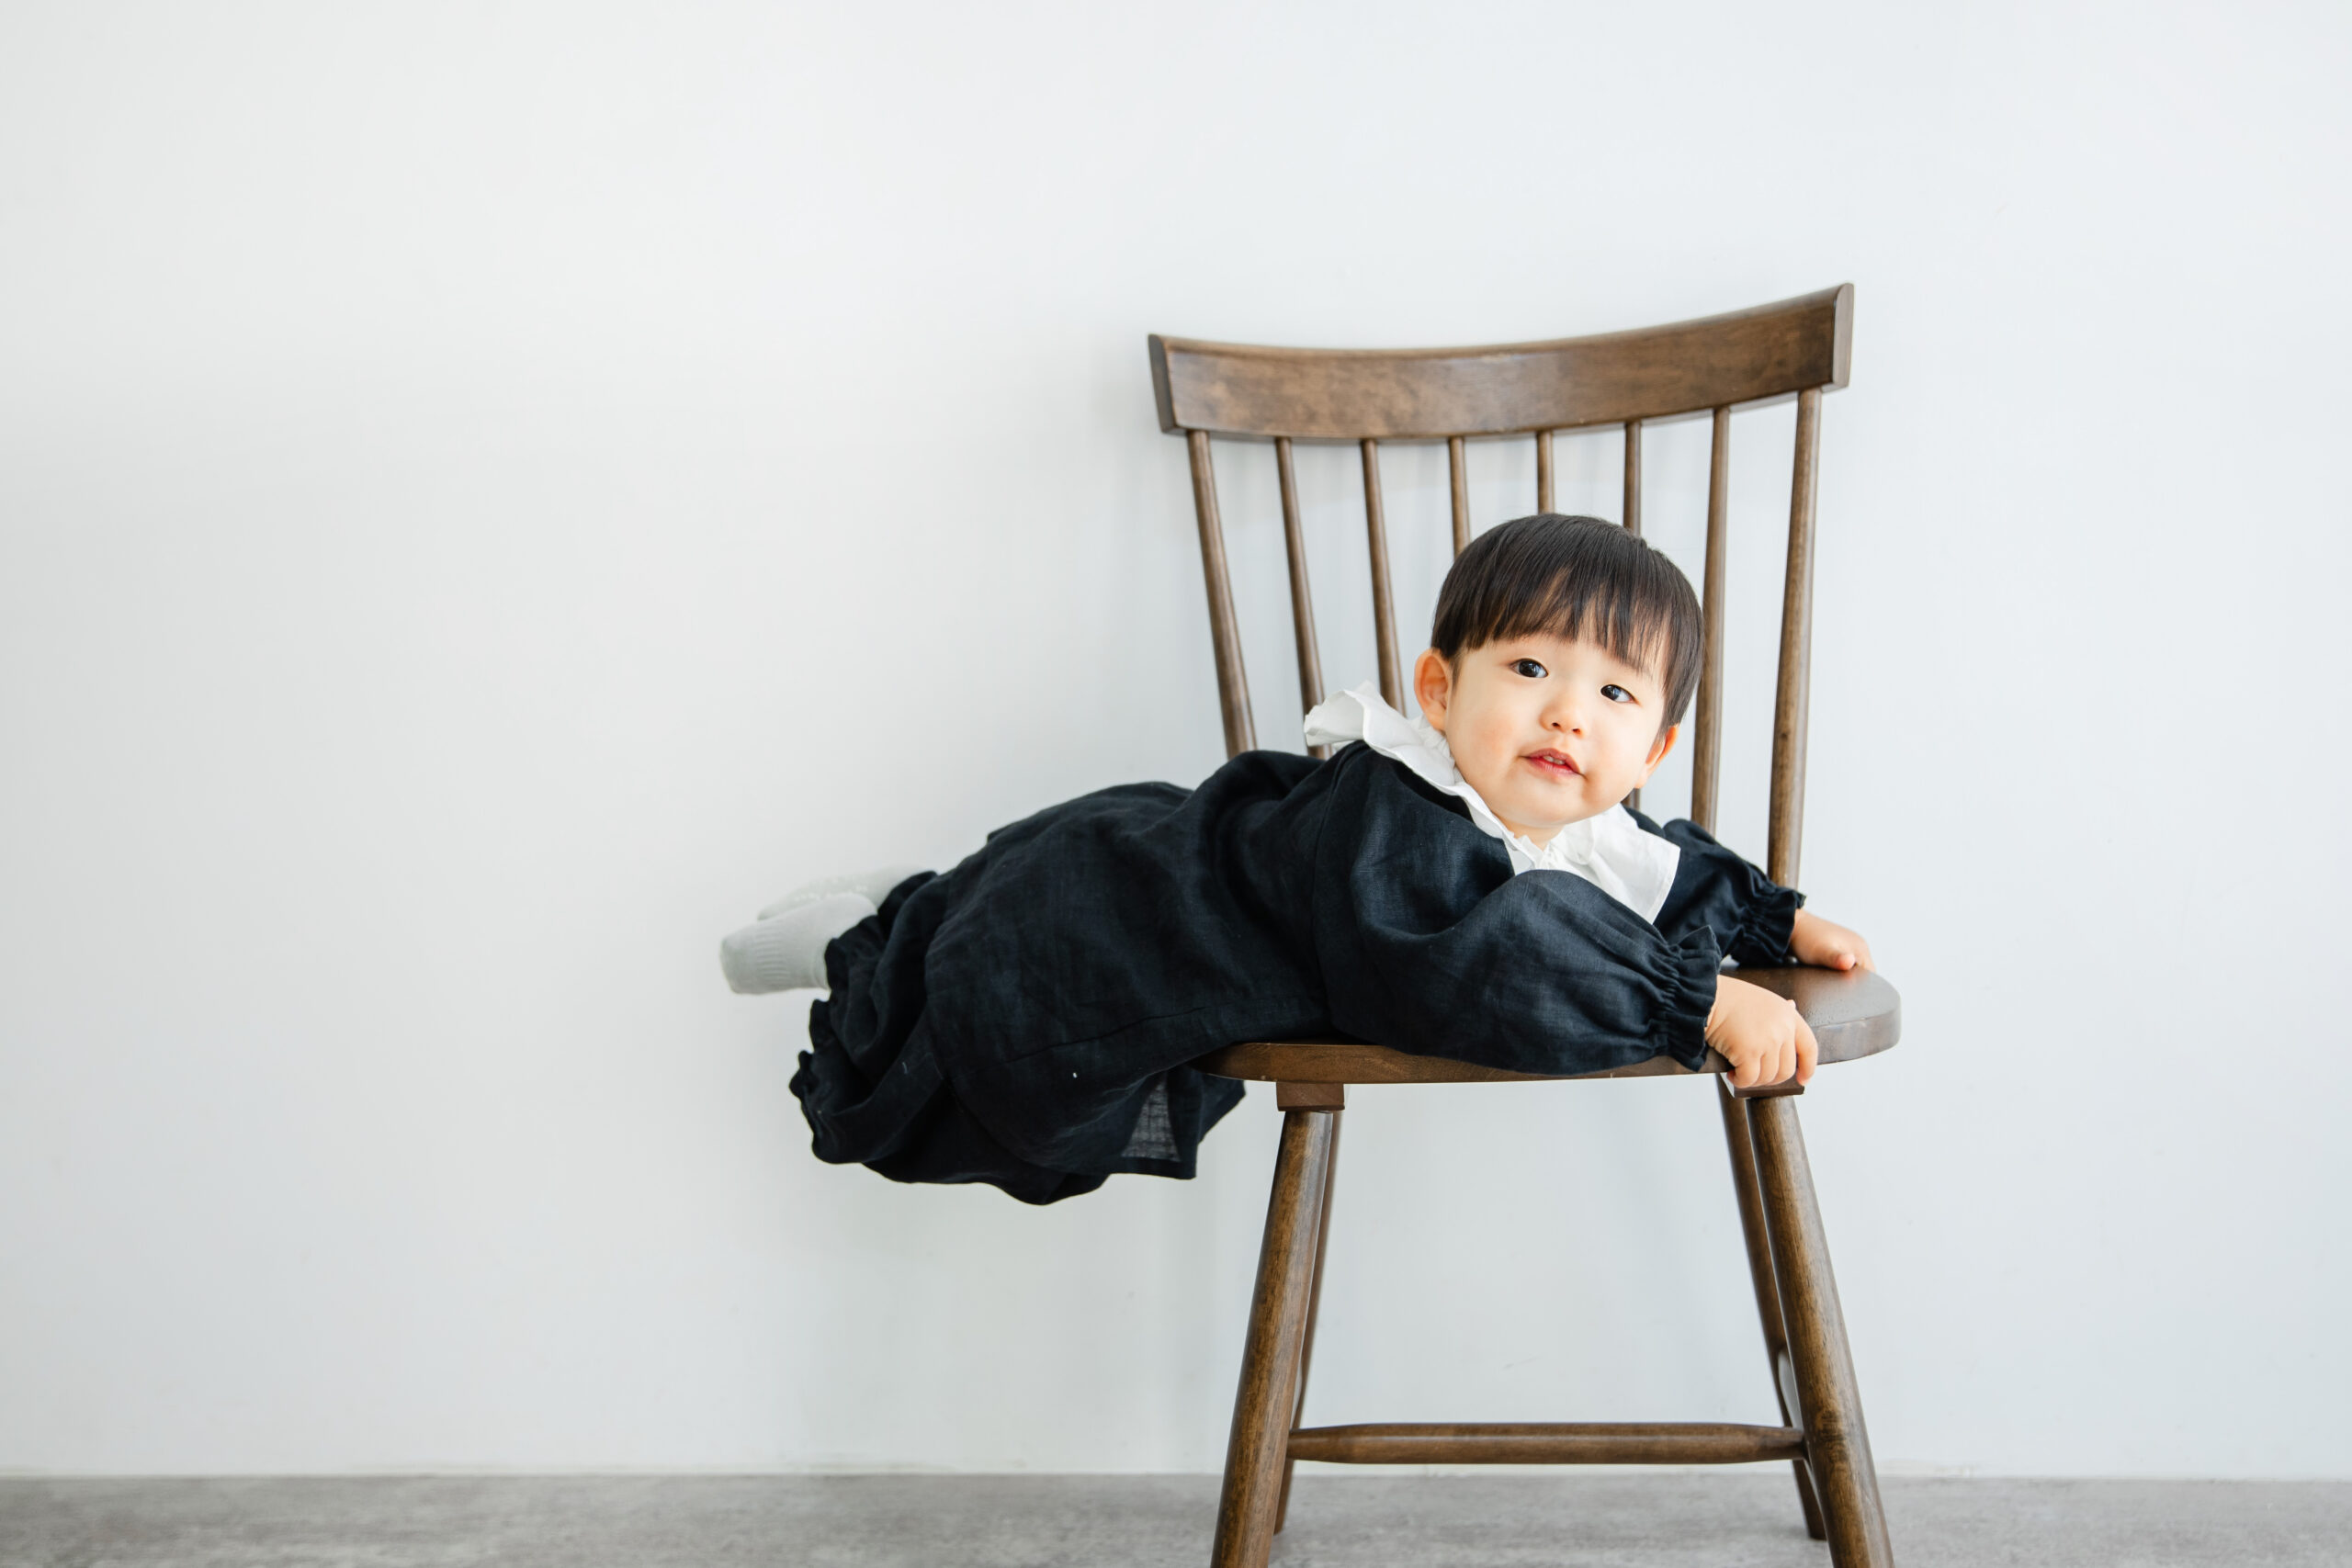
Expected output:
{"points": [[1577, 578]]}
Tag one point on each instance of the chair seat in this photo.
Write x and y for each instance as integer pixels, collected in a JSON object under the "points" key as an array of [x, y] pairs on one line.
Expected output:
{"points": [[1852, 1015]]}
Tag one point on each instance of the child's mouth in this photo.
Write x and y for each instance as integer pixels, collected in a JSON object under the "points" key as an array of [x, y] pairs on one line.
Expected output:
{"points": [[1555, 763]]}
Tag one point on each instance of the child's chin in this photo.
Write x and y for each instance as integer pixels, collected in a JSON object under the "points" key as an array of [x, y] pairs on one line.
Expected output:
{"points": [[1544, 819], [1560, 803]]}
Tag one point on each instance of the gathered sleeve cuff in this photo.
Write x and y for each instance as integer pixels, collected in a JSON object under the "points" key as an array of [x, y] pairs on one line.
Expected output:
{"points": [[1764, 932], [1687, 997], [1750, 914]]}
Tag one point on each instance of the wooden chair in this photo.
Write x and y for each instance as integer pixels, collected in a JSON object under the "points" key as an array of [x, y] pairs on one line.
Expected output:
{"points": [[1797, 348]]}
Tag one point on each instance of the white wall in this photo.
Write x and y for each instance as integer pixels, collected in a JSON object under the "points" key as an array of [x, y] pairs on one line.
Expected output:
{"points": [[492, 496]]}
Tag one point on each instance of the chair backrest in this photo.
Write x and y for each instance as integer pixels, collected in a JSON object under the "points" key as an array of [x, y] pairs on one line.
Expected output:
{"points": [[1799, 346]]}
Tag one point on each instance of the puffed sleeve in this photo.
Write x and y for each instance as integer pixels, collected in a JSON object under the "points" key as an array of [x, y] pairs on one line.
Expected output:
{"points": [[1715, 889], [1428, 944]]}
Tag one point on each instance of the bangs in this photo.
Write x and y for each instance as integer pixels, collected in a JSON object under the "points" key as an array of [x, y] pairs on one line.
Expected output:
{"points": [[1638, 629]]}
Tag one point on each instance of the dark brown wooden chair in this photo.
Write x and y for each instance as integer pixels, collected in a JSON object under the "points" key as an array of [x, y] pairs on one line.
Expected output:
{"points": [[1800, 348]]}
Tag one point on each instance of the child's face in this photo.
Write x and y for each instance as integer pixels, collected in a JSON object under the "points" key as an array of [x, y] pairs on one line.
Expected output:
{"points": [[1547, 731]]}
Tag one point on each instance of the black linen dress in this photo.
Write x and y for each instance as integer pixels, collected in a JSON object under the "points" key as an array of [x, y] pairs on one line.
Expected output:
{"points": [[1025, 1018]]}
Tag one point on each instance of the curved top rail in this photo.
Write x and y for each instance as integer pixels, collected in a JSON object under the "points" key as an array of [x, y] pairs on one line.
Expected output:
{"points": [[1323, 394]]}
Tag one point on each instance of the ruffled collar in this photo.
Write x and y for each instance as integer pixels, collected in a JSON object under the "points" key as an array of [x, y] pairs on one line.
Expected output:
{"points": [[1609, 851]]}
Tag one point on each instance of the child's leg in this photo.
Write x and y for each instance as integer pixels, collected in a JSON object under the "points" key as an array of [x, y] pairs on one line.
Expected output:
{"points": [[872, 886], [786, 952]]}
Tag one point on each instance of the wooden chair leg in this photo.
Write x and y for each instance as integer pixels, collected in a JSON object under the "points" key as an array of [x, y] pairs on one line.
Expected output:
{"points": [[1768, 1291], [1314, 1309], [1262, 1406], [1838, 1444]]}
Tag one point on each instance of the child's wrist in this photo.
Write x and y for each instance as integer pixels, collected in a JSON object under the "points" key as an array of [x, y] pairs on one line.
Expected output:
{"points": [[1725, 989]]}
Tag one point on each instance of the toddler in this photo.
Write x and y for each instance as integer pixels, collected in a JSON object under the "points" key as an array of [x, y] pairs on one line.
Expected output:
{"points": [[1465, 883]]}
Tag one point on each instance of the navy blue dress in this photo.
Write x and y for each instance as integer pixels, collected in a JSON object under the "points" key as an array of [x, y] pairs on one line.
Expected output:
{"points": [[1025, 1018]]}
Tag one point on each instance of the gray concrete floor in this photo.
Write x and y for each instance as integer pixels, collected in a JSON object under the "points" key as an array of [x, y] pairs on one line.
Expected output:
{"points": [[1721, 1519]]}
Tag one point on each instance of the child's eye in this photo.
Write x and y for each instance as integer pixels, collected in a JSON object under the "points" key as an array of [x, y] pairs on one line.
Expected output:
{"points": [[1528, 668], [1617, 694]]}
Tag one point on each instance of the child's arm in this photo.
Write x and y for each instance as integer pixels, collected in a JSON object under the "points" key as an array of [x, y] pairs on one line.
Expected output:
{"points": [[1425, 941], [1749, 913], [1829, 945]]}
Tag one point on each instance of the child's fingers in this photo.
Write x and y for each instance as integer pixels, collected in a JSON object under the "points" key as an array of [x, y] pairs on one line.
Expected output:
{"points": [[1796, 1048], [1808, 1052]]}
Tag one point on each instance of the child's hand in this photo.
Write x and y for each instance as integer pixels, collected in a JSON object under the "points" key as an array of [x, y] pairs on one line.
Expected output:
{"points": [[1827, 946], [1760, 1034]]}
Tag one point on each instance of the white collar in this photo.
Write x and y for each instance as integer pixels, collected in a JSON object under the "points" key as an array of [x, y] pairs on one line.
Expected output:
{"points": [[1609, 850]]}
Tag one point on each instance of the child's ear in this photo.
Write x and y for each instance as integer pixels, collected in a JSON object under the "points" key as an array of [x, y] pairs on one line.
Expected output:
{"points": [[1432, 687], [1658, 748]]}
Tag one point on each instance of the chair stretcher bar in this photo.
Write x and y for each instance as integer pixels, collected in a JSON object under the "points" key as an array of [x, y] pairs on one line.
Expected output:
{"points": [[1697, 1442]]}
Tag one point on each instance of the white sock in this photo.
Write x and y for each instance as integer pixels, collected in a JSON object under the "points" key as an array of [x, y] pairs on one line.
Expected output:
{"points": [[786, 952], [871, 885]]}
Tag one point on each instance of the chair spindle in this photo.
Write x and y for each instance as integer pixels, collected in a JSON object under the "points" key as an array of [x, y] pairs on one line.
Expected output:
{"points": [[1225, 633], [1543, 470], [1633, 517], [1785, 836], [1707, 752], [1384, 612], [1302, 598], [1458, 470]]}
